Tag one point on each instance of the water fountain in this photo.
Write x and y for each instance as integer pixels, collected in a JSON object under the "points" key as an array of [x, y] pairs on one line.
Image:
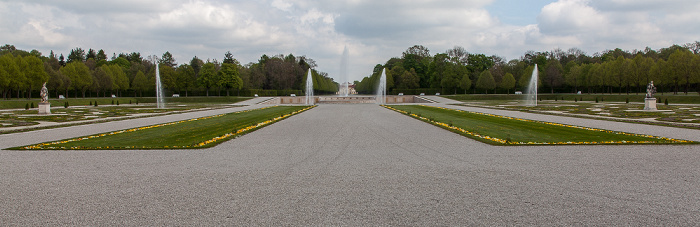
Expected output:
{"points": [[309, 89], [160, 101], [344, 89], [531, 92], [381, 88]]}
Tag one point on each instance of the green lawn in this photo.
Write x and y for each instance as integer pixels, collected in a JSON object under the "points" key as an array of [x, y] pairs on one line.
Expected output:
{"points": [[501, 130], [194, 133]]}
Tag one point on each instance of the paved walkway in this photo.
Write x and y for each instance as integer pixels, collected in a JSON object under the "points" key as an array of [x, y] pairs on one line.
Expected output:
{"points": [[351, 165]]}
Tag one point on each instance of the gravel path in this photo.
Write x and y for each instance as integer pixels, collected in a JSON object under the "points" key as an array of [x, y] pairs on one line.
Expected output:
{"points": [[353, 165]]}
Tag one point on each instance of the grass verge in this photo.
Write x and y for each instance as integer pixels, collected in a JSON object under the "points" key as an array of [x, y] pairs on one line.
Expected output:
{"points": [[501, 130], [194, 133]]}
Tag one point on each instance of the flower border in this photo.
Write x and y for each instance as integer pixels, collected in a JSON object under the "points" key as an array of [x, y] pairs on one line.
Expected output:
{"points": [[500, 141], [47, 146]]}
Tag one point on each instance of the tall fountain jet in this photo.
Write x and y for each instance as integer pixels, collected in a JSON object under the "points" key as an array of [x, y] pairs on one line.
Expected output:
{"points": [[531, 92], [160, 101], [309, 89], [344, 83], [381, 88]]}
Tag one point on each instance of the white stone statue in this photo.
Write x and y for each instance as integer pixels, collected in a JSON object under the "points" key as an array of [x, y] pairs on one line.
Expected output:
{"points": [[651, 90], [44, 94]]}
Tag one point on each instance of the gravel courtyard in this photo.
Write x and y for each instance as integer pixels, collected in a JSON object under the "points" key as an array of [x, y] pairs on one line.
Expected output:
{"points": [[347, 165]]}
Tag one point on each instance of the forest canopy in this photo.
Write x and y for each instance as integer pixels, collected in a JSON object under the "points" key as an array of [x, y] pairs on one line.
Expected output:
{"points": [[92, 73]]}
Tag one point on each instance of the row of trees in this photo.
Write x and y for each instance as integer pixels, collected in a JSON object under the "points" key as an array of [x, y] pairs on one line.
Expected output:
{"points": [[22, 73], [676, 68]]}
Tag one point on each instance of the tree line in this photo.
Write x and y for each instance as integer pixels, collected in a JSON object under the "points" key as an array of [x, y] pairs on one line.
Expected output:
{"points": [[91, 73], [673, 69]]}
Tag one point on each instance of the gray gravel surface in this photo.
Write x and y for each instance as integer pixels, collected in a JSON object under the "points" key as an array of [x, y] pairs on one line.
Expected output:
{"points": [[353, 165]]}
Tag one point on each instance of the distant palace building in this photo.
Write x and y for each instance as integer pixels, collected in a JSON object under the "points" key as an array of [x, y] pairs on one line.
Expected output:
{"points": [[351, 88]]}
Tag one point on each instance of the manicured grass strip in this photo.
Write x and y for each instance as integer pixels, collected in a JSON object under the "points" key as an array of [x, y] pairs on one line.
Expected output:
{"points": [[502, 130], [194, 133]]}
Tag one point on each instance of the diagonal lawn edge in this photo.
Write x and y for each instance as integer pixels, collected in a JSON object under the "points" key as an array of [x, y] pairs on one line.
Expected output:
{"points": [[201, 144], [501, 141]]}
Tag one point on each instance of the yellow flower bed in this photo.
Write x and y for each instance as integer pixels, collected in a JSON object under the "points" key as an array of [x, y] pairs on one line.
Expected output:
{"points": [[238, 132], [506, 142]]}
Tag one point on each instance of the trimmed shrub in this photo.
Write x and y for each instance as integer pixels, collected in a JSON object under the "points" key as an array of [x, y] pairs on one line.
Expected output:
{"points": [[627, 100], [91, 103], [65, 104], [26, 106], [666, 101], [95, 103], [32, 105], [112, 101], [117, 102], [596, 99]]}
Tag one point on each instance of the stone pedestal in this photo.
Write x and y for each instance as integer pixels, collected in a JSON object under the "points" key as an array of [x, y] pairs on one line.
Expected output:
{"points": [[650, 104], [44, 108]]}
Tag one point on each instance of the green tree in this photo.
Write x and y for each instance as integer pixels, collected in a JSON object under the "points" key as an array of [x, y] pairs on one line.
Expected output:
{"points": [[8, 67], [228, 77], [57, 81], [207, 76], [615, 71], [508, 82], [465, 83], [629, 69], [409, 79], [642, 75], [573, 77], [168, 60], [101, 55], [451, 78], [19, 81], [168, 77], [91, 54], [77, 54], [595, 77], [101, 81], [35, 73], [228, 58], [553, 74], [486, 81], [141, 83], [660, 72], [122, 62], [196, 65], [683, 68], [185, 77], [79, 75]]}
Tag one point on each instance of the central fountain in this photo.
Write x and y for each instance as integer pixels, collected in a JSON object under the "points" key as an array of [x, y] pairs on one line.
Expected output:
{"points": [[381, 88], [531, 92], [344, 89], [309, 89]]}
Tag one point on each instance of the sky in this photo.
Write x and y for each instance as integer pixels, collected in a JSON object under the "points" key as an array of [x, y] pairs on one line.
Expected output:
{"points": [[373, 31]]}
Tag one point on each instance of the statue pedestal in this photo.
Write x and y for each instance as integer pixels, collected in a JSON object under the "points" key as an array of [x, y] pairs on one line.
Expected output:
{"points": [[650, 104], [44, 108]]}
